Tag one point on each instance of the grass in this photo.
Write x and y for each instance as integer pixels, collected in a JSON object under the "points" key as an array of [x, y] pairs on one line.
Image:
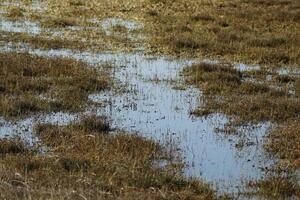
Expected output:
{"points": [[282, 144], [83, 39], [31, 84], [58, 22], [218, 29], [249, 97], [226, 30], [87, 162], [230, 30], [119, 28], [297, 88], [15, 13], [42, 42], [276, 187], [227, 90], [12, 146]]}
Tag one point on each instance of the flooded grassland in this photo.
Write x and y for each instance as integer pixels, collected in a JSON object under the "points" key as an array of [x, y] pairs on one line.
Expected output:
{"points": [[149, 99]]}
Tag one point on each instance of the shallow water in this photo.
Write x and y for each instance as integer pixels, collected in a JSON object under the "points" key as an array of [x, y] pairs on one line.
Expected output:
{"points": [[24, 26], [24, 127], [159, 111], [152, 107]]}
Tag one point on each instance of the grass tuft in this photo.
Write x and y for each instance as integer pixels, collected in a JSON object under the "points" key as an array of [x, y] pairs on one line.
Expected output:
{"points": [[59, 22], [15, 13], [276, 187], [93, 123], [12, 146], [82, 162], [33, 84], [227, 90]]}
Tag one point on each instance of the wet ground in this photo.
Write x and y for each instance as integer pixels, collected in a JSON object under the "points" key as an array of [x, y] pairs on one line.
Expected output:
{"points": [[154, 106], [151, 99]]}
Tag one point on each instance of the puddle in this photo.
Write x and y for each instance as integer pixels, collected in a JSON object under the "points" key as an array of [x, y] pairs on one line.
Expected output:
{"points": [[152, 107], [19, 26], [77, 33], [38, 6], [243, 67], [156, 110], [288, 71], [24, 127]]}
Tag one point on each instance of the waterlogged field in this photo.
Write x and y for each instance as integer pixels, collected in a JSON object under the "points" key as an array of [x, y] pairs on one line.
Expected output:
{"points": [[152, 99]]}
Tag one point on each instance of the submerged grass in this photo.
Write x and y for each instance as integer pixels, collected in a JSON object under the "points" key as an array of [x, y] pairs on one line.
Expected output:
{"points": [[85, 162], [30, 84]]}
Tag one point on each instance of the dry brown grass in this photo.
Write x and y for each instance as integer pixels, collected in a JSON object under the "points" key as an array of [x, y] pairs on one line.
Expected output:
{"points": [[58, 22], [284, 143], [226, 91], [231, 30], [297, 88], [15, 13], [275, 187], [228, 30], [94, 165], [31, 84], [12, 146], [43, 42]]}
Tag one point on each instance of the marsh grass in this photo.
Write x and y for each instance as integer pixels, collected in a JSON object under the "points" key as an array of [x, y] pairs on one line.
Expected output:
{"points": [[276, 187], [283, 145], [94, 165], [228, 30], [119, 28], [41, 42], [235, 33], [12, 146], [59, 22], [92, 123], [65, 84], [90, 163], [297, 88], [227, 91], [82, 39], [250, 99], [15, 13]]}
